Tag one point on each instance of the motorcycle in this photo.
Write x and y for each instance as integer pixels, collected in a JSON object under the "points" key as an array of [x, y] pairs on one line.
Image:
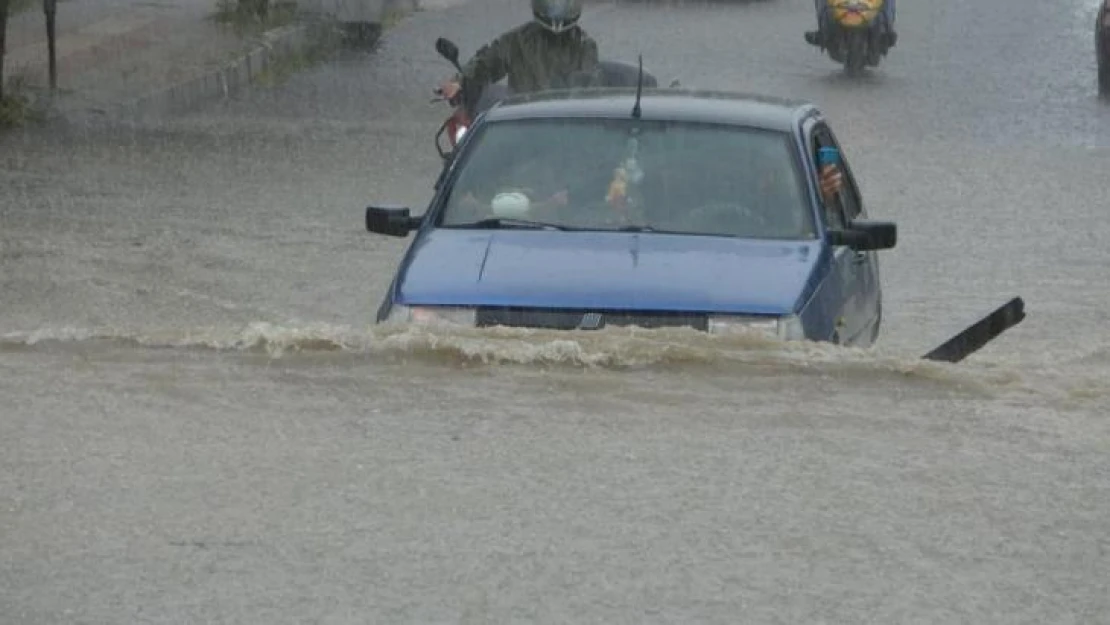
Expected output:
{"points": [[468, 104], [857, 33]]}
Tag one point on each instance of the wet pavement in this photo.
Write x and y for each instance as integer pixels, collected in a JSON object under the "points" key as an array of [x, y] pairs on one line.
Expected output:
{"points": [[110, 52], [201, 425]]}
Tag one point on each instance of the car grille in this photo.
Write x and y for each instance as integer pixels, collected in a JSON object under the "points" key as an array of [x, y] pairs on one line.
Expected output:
{"points": [[571, 319]]}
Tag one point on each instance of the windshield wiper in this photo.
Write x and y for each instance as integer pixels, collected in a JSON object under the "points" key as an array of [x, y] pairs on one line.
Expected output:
{"points": [[647, 228], [503, 222]]}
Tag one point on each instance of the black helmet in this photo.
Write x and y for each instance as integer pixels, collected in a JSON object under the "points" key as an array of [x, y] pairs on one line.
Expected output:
{"points": [[557, 15]]}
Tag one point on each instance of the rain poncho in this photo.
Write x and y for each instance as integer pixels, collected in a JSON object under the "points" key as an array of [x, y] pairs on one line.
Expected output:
{"points": [[533, 58]]}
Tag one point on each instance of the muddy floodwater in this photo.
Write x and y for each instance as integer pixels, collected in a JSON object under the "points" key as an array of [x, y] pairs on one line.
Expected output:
{"points": [[200, 422]]}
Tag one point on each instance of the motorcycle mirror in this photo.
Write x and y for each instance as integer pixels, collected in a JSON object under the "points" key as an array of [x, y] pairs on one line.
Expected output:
{"points": [[448, 50]]}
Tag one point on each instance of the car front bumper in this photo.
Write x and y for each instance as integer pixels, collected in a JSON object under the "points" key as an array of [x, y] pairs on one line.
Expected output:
{"points": [[786, 327]]}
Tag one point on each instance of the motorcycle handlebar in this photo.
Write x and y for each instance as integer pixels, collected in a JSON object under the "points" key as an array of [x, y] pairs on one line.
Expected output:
{"points": [[438, 91]]}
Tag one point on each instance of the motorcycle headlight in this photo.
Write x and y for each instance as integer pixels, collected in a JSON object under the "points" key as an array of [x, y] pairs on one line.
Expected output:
{"points": [[786, 328], [432, 315]]}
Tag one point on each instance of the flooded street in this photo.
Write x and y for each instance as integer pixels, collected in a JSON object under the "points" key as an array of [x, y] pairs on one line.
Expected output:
{"points": [[201, 424]]}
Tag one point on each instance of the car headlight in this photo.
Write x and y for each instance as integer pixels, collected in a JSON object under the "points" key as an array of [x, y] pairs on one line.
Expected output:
{"points": [[787, 328], [432, 315]]}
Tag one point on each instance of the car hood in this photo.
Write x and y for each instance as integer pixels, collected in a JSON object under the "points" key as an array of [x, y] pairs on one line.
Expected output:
{"points": [[607, 270]]}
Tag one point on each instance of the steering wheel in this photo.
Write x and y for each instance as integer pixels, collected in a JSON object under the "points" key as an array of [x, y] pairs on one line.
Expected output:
{"points": [[728, 212]]}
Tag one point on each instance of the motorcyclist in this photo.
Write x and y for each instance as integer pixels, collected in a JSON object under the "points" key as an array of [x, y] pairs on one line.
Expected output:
{"points": [[540, 54], [817, 37]]}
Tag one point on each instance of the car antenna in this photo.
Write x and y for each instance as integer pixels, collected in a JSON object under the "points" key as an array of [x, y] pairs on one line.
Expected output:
{"points": [[639, 88]]}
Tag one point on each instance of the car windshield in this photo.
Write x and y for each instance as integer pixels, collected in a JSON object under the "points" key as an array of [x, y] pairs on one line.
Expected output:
{"points": [[607, 174]]}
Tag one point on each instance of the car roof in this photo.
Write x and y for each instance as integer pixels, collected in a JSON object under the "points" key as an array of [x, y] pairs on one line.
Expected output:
{"points": [[724, 107]]}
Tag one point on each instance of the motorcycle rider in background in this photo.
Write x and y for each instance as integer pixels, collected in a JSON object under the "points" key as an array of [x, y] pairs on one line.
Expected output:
{"points": [[817, 37], [540, 54]]}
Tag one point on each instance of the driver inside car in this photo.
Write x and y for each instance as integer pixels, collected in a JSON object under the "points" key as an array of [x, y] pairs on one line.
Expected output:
{"points": [[775, 189], [739, 192]]}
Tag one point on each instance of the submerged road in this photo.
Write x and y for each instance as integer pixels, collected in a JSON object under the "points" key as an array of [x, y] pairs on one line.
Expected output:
{"points": [[199, 425]]}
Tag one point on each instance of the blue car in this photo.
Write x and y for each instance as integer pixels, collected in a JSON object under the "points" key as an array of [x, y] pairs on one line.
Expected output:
{"points": [[595, 208]]}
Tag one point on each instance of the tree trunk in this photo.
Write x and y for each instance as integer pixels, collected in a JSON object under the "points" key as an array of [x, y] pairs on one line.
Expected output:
{"points": [[3, 41]]}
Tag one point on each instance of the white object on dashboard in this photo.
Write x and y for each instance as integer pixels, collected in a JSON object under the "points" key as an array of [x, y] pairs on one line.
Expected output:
{"points": [[511, 204]]}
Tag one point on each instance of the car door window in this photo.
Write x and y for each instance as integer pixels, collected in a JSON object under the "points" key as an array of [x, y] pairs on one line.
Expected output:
{"points": [[834, 210], [850, 198]]}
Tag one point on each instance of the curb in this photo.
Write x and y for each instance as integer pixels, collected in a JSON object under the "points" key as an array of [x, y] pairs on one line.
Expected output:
{"points": [[222, 82], [277, 45]]}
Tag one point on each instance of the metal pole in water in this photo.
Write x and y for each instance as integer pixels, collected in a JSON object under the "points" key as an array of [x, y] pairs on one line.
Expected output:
{"points": [[50, 8]]}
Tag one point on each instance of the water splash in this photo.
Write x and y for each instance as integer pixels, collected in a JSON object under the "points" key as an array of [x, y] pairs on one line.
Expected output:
{"points": [[611, 348]]}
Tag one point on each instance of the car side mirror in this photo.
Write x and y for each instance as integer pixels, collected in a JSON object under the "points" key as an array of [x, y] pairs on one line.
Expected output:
{"points": [[393, 221], [865, 235]]}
